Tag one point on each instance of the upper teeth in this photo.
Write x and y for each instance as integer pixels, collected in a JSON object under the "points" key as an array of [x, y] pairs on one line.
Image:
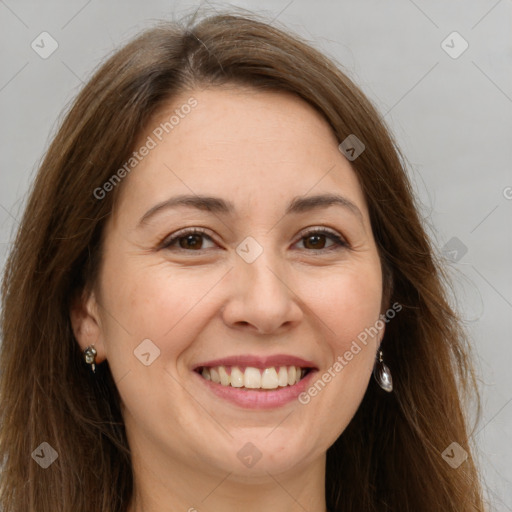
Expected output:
{"points": [[254, 378]]}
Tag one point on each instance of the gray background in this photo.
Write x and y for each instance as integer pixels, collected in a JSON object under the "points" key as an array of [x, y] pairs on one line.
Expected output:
{"points": [[452, 118]]}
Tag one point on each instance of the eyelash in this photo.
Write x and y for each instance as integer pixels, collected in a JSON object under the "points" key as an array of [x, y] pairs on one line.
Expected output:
{"points": [[339, 243]]}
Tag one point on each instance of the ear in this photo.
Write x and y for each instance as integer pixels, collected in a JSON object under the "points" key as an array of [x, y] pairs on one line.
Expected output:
{"points": [[381, 335], [382, 330], [86, 323]]}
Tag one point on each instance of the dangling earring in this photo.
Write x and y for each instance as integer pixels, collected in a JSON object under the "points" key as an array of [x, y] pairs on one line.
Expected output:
{"points": [[382, 374], [90, 357]]}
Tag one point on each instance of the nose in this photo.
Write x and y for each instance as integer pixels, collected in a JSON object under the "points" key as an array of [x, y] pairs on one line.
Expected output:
{"points": [[261, 296]]}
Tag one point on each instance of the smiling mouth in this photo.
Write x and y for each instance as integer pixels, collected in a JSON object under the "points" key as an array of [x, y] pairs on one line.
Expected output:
{"points": [[274, 377]]}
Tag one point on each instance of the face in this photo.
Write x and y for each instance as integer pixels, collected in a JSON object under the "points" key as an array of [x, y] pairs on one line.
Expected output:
{"points": [[241, 289]]}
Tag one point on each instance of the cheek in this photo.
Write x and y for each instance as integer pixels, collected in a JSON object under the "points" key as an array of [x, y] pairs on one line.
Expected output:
{"points": [[348, 307], [163, 303], [347, 302], [159, 303], [158, 311]]}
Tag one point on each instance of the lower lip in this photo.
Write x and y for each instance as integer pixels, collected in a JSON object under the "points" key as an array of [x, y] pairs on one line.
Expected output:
{"points": [[260, 399]]}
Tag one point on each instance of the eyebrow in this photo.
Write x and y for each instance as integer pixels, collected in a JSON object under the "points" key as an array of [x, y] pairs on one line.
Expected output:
{"points": [[221, 206]]}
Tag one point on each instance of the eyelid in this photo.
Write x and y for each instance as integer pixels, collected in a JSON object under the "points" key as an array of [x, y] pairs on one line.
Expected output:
{"points": [[320, 229], [339, 241], [173, 237]]}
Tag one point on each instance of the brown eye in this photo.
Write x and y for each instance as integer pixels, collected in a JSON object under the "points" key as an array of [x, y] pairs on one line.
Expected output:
{"points": [[191, 240], [316, 240]]}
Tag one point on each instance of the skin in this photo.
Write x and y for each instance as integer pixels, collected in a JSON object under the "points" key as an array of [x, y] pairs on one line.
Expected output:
{"points": [[259, 150]]}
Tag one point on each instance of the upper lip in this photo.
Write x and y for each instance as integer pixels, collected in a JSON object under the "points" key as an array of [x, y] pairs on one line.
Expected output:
{"points": [[258, 361]]}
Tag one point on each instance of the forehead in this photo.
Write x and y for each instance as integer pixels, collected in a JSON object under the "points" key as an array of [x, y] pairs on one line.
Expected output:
{"points": [[244, 145]]}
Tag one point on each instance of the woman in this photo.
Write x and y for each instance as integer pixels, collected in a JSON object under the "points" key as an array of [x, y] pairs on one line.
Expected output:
{"points": [[220, 248]]}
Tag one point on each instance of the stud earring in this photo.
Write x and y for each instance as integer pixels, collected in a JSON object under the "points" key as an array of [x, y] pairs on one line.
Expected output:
{"points": [[382, 374], [90, 357]]}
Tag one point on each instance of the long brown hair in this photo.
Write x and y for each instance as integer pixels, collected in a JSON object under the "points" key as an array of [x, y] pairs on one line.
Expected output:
{"points": [[389, 458]]}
